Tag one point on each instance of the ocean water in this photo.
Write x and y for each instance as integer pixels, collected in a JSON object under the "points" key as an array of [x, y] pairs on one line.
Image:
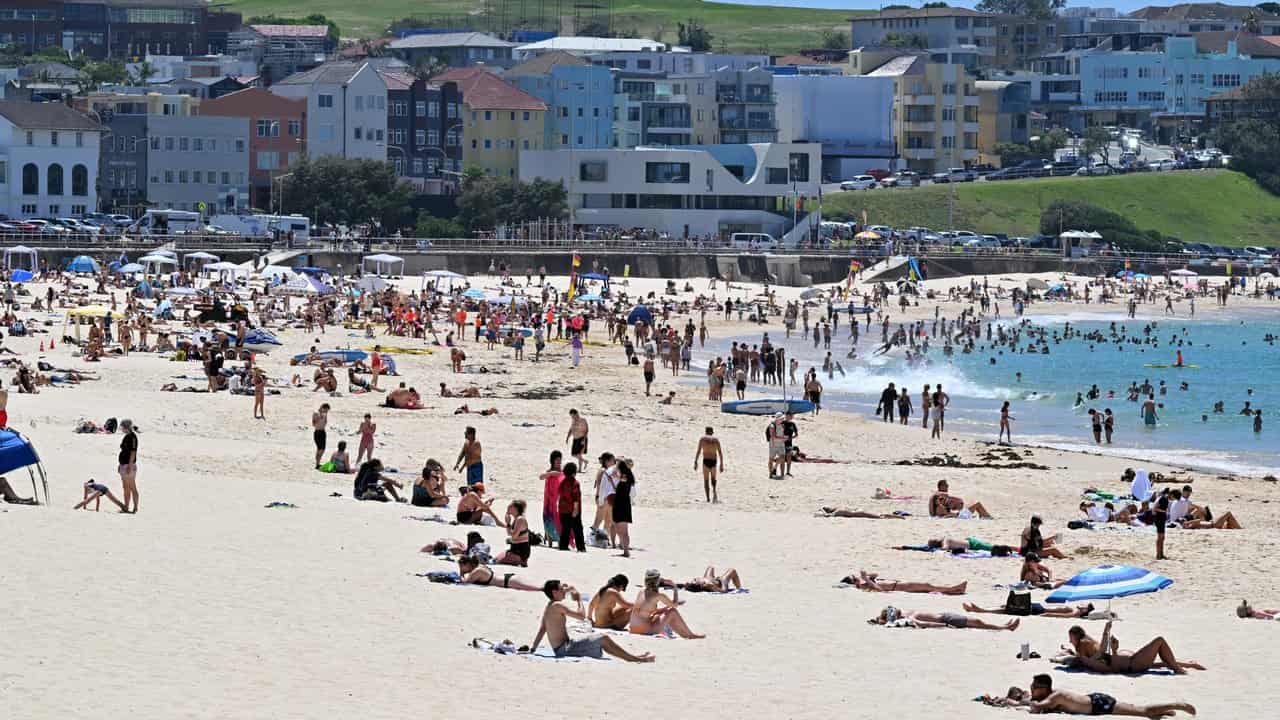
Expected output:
{"points": [[1232, 358]]}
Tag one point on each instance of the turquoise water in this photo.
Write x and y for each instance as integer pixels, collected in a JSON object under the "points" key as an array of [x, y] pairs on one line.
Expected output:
{"points": [[1232, 356]]}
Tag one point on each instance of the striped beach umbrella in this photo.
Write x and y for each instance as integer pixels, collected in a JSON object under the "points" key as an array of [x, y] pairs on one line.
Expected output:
{"points": [[1109, 581]]}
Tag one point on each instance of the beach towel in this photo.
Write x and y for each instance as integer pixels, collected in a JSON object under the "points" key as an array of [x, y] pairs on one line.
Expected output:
{"points": [[448, 577], [424, 518], [280, 504], [509, 648]]}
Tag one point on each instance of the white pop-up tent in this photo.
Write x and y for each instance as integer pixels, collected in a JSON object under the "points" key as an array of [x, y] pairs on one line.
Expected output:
{"points": [[440, 277], [199, 258], [153, 261], [381, 261], [13, 258]]}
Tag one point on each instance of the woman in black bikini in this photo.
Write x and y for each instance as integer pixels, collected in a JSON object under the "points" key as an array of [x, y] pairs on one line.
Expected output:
{"points": [[871, 582], [517, 536], [473, 573], [471, 509], [622, 506]]}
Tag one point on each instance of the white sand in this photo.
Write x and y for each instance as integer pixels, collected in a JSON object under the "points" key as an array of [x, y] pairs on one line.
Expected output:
{"points": [[207, 605]]}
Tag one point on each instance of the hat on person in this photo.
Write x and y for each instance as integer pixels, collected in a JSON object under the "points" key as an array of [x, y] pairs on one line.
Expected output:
{"points": [[652, 573], [777, 416]]}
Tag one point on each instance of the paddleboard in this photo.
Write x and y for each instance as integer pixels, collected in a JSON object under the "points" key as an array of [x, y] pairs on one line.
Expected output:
{"points": [[1172, 367], [765, 406], [402, 350]]}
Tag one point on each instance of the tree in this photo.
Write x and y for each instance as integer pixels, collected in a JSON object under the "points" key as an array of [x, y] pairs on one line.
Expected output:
{"points": [[95, 74], [430, 226], [427, 68], [1063, 215], [1254, 146], [694, 35], [929, 5], [1252, 23], [1096, 141], [486, 201], [1012, 153], [371, 193], [904, 40], [1047, 145], [1025, 8], [141, 73], [835, 40], [1270, 8]]}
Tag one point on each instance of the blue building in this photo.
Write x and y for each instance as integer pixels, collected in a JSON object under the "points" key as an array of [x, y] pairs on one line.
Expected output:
{"points": [[578, 95]]}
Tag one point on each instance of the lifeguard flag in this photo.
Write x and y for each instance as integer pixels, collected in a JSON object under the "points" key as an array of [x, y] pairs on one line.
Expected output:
{"points": [[577, 261]]}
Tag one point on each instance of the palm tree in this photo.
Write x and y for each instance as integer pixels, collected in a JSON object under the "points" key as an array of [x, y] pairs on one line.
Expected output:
{"points": [[427, 68], [1251, 22], [141, 73]]}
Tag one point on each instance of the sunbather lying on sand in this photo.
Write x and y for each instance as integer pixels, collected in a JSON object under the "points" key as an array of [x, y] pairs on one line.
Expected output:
{"points": [[842, 512], [445, 546], [466, 410], [710, 581], [471, 392], [871, 582], [1036, 609], [1045, 700], [474, 573], [8, 494], [891, 615], [1245, 611]]}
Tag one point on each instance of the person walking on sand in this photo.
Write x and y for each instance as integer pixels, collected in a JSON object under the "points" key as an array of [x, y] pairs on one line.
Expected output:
{"points": [[940, 402], [128, 461], [554, 628], [577, 438], [648, 373], [622, 505], [1005, 417], [4, 409], [319, 433], [367, 428], [470, 457], [712, 457]]}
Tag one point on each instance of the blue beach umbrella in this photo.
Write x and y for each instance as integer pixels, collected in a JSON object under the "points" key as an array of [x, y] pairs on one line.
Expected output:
{"points": [[474, 294], [589, 297], [1109, 581]]}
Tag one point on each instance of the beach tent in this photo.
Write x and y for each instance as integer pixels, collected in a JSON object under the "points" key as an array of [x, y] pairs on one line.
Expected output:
{"points": [[221, 267], [198, 258], [14, 255], [153, 262], [508, 299], [82, 264], [275, 271], [166, 252], [598, 277], [1183, 272], [307, 285], [184, 291], [440, 278], [17, 452], [21, 276], [382, 260], [640, 313]]}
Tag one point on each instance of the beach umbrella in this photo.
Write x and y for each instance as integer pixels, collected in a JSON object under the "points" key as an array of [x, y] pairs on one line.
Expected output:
{"points": [[589, 297], [129, 268], [474, 294], [1183, 272], [867, 235], [158, 259], [1037, 284], [640, 313], [21, 276], [1106, 582], [82, 264]]}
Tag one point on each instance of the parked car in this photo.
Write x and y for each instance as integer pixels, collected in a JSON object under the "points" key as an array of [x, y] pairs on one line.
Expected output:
{"points": [[959, 174], [753, 241], [861, 182], [906, 178], [878, 173], [1094, 169], [1164, 165], [1259, 252]]}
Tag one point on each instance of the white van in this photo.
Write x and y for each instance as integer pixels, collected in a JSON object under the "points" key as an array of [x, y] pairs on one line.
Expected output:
{"points": [[266, 226], [753, 242], [167, 222]]}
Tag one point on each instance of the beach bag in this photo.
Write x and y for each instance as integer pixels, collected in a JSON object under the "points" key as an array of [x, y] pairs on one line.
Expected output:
{"points": [[1017, 603], [534, 538], [109, 425]]}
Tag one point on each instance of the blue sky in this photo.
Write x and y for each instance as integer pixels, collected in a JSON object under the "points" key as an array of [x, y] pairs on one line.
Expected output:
{"points": [[1119, 5]]}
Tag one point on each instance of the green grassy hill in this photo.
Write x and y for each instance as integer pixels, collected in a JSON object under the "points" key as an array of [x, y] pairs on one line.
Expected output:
{"points": [[1219, 207], [742, 28]]}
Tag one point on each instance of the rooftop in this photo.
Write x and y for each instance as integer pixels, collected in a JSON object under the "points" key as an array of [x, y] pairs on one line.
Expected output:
{"points": [[448, 40], [544, 63], [922, 13], [573, 44], [1246, 43], [333, 73], [45, 116], [1197, 11], [311, 31], [483, 90], [901, 65]]}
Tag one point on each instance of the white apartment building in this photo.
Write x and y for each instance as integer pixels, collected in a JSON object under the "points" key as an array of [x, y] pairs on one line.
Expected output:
{"points": [[48, 160], [346, 109]]}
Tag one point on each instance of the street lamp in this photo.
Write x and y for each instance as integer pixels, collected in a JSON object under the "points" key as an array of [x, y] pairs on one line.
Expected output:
{"points": [[279, 199]]}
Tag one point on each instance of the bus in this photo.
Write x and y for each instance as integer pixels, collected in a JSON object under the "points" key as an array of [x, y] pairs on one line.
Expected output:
{"points": [[167, 222]]}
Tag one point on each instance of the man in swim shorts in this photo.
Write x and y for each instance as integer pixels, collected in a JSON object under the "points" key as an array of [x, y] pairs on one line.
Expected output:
{"points": [[470, 456], [577, 438], [712, 463], [1044, 699], [320, 421], [557, 634]]}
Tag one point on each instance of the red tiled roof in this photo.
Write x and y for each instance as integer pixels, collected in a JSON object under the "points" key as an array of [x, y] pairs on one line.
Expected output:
{"points": [[291, 30], [396, 80], [483, 90]]}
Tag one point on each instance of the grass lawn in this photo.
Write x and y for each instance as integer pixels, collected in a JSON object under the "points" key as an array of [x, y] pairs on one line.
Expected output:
{"points": [[1215, 206], [742, 28]]}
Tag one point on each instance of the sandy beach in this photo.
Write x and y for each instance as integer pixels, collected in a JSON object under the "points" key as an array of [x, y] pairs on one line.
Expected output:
{"points": [[206, 604]]}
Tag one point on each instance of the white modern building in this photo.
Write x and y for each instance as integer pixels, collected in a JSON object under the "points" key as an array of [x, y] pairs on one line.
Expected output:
{"points": [[821, 108], [346, 109], [676, 61], [685, 191], [581, 45], [48, 160]]}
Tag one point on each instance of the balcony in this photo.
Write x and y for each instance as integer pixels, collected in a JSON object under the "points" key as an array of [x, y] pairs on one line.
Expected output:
{"points": [[972, 100], [921, 126], [919, 153], [734, 98], [657, 97], [971, 127], [929, 100], [740, 124], [1069, 97]]}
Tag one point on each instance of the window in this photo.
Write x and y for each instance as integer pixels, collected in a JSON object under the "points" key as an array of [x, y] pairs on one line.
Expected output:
{"points": [[452, 111], [30, 209], [433, 138], [666, 172], [398, 162], [579, 112], [226, 178], [31, 138], [268, 160], [268, 128], [488, 143], [197, 144], [168, 144], [168, 176], [525, 144], [420, 137], [295, 128], [564, 139], [377, 135], [80, 180], [776, 176], [184, 144], [948, 114], [182, 177], [1111, 96], [564, 111], [30, 180], [595, 112], [1112, 73], [53, 180], [359, 103], [948, 88], [1222, 80], [593, 171], [55, 209], [239, 145], [525, 118], [948, 142], [420, 108], [1151, 96], [196, 175], [451, 138], [324, 101], [155, 142], [79, 139], [799, 164], [1197, 78], [358, 132], [212, 145], [1144, 73], [77, 209], [53, 138], [488, 115]]}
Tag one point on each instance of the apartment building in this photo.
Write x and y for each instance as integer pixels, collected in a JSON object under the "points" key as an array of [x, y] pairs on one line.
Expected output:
{"points": [[499, 121], [693, 191], [346, 109], [277, 135], [818, 108], [935, 108], [48, 160], [746, 104], [281, 50], [424, 131], [657, 109], [461, 49], [578, 96], [198, 163], [1004, 110]]}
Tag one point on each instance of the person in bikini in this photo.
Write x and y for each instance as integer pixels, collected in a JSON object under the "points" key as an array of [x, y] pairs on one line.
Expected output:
{"points": [[890, 615], [712, 456], [871, 582], [609, 609], [1245, 611], [654, 613], [1105, 656], [1044, 699], [472, 509], [842, 512], [473, 573], [710, 581], [553, 627], [1036, 609]]}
